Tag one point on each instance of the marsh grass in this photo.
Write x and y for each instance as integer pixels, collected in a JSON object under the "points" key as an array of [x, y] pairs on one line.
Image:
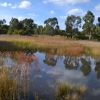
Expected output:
{"points": [[66, 91], [59, 44], [8, 86]]}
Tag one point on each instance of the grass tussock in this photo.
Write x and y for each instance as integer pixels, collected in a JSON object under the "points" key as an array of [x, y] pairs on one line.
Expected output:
{"points": [[8, 86], [67, 91]]}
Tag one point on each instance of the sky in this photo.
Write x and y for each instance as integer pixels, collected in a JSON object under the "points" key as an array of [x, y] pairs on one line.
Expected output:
{"points": [[40, 10]]}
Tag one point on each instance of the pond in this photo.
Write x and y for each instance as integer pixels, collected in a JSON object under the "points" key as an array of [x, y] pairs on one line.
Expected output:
{"points": [[44, 69]]}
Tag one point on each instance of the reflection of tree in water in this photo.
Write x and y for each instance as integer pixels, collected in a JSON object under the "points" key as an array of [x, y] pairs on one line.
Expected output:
{"points": [[85, 68], [97, 69], [50, 60], [26, 62], [71, 63]]}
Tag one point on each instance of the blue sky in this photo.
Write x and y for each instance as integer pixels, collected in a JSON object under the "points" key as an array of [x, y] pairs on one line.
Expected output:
{"points": [[40, 10]]}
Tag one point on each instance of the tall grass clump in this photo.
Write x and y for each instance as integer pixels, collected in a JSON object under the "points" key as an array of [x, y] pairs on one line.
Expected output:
{"points": [[8, 86], [66, 91]]}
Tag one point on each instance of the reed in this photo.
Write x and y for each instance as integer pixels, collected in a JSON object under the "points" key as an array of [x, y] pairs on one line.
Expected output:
{"points": [[8, 86], [80, 89]]}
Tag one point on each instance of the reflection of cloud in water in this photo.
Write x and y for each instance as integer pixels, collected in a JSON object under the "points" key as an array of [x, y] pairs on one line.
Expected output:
{"points": [[73, 76], [95, 92], [92, 64], [8, 61], [43, 69]]}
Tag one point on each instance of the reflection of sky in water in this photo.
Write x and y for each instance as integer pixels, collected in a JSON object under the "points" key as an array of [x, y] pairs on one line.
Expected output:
{"points": [[45, 75]]}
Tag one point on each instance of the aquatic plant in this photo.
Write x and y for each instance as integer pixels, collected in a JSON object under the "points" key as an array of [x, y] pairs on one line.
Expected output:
{"points": [[66, 91]]}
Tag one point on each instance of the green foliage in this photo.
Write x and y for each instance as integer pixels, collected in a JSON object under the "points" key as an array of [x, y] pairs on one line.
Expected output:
{"points": [[88, 25], [15, 32], [51, 25], [21, 32], [72, 23], [10, 31]]}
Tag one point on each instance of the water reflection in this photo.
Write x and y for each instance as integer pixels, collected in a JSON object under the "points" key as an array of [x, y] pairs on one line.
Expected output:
{"points": [[97, 68], [83, 70], [50, 59], [71, 63], [21, 62]]}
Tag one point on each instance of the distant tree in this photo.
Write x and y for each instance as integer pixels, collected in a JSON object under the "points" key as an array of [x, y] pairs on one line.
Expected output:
{"points": [[14, 23], [28, 26], [3, 27], [99, 20], [51, 24], [2, 22], [88, 25], [40, 29], [72, 24]]}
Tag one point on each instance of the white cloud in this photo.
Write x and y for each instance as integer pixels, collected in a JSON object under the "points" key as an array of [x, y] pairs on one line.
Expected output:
{"points": [[97, 8], [75, 11], [5, 4], [33, 15], [24, 4], [45, 2], [21, 18], [62, 2], [52, 12], [63, 17]]}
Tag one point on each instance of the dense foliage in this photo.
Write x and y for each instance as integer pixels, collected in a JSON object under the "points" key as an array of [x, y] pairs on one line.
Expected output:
{"points": [[73, 26]]}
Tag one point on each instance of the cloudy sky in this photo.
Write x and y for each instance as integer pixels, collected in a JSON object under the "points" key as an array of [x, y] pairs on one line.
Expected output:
{"points": [[40, 10]]}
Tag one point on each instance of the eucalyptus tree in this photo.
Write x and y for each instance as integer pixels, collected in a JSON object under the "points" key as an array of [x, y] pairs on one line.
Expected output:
{"points": [[40, 29], [28, 25], [88, 25], [51, 24], [97, 29], [99, 20], [14, 25], [72, 23], [3, 27], [2, 22]]}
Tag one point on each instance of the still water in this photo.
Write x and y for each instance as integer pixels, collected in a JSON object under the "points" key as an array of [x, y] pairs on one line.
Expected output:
{"points": [[45, 69]]}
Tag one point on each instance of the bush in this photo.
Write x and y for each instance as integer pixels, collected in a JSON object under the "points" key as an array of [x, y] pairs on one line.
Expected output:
{"points": [[21, 32], [10, 31], [15, 32]]}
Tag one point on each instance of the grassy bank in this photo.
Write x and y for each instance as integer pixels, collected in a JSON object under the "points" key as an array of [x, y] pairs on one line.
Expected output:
{"points": [[53, 44]]}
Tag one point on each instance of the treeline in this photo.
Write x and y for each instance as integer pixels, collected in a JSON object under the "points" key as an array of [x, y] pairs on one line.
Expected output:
{"points": [[73, 24]]}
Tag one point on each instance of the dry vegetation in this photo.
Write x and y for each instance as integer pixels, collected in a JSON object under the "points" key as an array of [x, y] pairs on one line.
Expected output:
{"points": [[61, 43]]}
